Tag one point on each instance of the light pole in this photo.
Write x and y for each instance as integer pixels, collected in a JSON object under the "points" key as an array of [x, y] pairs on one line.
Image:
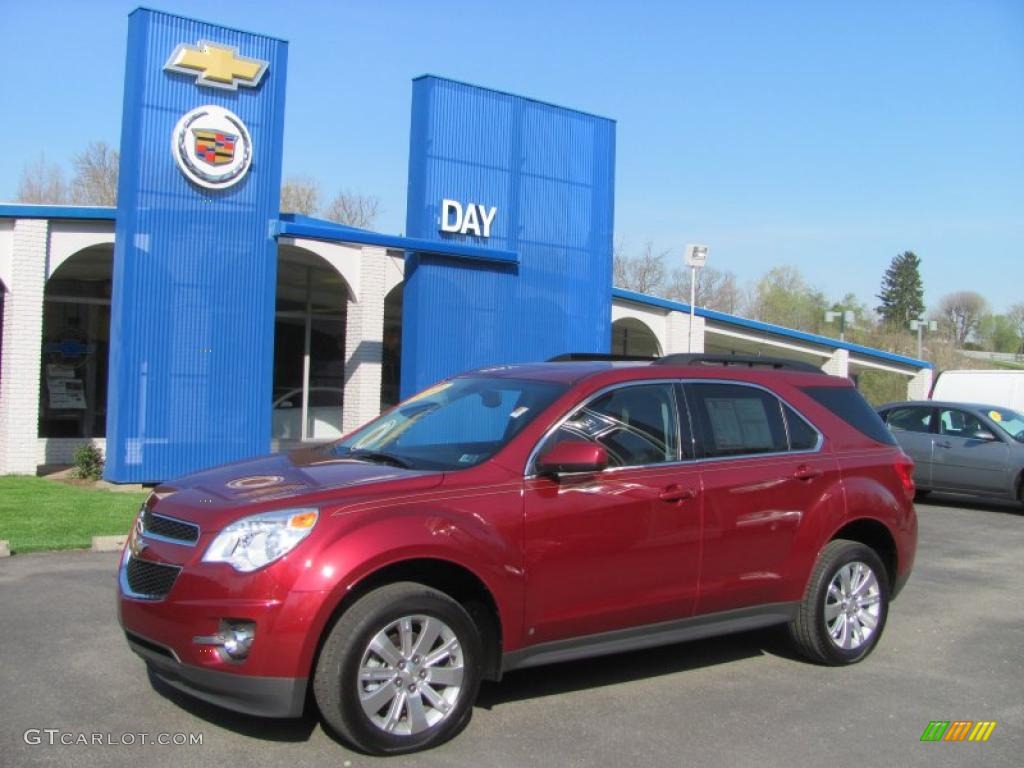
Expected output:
{"points": [[845, 316], [696, 258], [919, 325]]}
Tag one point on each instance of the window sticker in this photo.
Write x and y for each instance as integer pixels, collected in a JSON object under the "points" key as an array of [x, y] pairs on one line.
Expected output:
{"points": [[468, 458], [995, 416], [739, 423], [518, 412]]}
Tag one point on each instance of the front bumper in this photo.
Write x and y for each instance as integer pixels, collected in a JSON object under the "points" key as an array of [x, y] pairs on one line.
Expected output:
{"points": [[249, 694]]}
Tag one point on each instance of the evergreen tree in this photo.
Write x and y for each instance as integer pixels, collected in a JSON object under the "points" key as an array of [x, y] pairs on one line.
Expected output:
{"points": [[902, 293]]}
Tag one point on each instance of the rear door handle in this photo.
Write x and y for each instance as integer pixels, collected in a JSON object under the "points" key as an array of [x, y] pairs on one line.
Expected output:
{"points": [[803, 472], [676, 494]]}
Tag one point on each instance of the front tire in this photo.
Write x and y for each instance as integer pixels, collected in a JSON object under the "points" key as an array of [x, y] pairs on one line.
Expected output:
{"points": [[400, 670], [844, 609]]}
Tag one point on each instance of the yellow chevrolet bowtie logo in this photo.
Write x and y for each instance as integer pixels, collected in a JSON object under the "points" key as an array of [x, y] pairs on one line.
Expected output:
{"points": [[216, 66]]}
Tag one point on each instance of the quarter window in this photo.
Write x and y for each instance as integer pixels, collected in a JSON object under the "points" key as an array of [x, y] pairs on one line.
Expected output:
{"points": [[638, 425], [802, 436]]}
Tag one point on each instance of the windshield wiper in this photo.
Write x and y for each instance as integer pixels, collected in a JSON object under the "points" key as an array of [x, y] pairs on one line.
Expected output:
{"points": [[379, 457]]}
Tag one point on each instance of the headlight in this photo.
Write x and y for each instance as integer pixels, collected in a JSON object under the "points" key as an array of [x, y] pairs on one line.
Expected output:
{"points": [[255, 541]]}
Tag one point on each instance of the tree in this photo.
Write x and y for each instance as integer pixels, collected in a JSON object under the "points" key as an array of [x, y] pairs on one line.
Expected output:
{"points": [[644, 273], [300, 194], [353, 209], [715, 289], [95, 180], [902, 294], [782, 297], [998, 333], [1016, 316], [42, 183], [960, 313]]}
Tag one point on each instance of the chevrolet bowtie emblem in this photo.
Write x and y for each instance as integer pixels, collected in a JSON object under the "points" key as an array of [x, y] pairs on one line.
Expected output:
{"points": [[216, 66]]}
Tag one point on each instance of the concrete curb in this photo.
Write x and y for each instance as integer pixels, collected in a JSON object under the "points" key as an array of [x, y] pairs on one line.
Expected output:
{"points": [[5, 548], [108, 543]]}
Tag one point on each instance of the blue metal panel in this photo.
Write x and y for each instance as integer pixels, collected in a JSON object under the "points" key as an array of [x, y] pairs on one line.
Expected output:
{"points": [[550, 173], [776, 330], [192, 316]]}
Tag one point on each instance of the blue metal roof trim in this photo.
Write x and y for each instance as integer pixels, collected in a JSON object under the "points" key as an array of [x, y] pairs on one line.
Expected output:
{"points": [[295, 225], [209, 23], [778, 330], [498, 92], [86, 212]]}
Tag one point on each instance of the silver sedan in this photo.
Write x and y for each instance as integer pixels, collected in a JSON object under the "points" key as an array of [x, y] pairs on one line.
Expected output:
{"points": [[961, 447]]}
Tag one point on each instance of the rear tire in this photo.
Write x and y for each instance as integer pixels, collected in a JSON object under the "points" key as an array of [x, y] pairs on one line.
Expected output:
{"points": [[400, 670], [920, 495], [844, 609]]}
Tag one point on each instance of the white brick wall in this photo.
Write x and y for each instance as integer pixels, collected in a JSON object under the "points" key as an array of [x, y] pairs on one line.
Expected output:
{"points": [[919, 387], [678, 333], [364, 338], [838, 364], [22, 348]]}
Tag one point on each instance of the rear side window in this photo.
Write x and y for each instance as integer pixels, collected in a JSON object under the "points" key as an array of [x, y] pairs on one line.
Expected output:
{"points": [[910, 419], [848, 404], [737, 420]]}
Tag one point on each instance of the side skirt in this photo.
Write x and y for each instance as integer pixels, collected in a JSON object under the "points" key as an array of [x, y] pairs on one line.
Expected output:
{"points": [[650, 635]]}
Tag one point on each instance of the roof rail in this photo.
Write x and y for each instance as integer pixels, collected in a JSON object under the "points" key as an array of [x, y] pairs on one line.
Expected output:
{"points": [[748, 361], [575, 357]]}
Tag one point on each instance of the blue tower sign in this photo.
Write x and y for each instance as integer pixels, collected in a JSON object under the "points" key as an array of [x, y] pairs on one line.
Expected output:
{"points": [[499, 171], [195, 263]]}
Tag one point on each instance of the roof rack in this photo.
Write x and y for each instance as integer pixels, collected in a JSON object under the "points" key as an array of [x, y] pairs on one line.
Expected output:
{"points": [[576, 357], [748, 361]]}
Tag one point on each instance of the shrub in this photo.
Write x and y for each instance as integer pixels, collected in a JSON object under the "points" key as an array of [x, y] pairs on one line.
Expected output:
{"points": [[88, 462]]}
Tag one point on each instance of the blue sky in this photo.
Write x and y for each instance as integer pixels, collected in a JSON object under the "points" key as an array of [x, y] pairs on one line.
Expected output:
{"points": [[825, 135]]}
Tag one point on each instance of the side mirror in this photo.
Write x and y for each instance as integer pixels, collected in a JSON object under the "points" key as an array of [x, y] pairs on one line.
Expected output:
{"points": [[982, 434], [573, 456]]}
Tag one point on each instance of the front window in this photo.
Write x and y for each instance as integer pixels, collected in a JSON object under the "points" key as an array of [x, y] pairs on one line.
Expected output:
{"points": [[456, 424], [1011, 422]]}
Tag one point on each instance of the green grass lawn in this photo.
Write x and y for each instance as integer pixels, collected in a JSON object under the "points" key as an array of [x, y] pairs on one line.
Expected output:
{"points": [[38, 514]]}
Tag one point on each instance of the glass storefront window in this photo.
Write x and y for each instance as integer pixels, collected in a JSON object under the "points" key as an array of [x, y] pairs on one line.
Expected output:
{"points": [[76, 346], [309, 349]]}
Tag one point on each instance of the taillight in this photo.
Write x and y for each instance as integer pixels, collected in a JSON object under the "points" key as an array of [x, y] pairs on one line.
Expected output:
{"points": [[904, 467]]}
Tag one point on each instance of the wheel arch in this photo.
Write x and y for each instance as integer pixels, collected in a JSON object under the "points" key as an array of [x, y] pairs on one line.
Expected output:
{"points": [[877, 536], [455, 580]]}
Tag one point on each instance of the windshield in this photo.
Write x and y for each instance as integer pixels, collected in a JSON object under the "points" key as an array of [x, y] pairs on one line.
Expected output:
{"points": [[456, 424], [1011, 422]]}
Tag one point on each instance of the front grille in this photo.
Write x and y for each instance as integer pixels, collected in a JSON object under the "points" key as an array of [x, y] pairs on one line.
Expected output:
{"points": [[169, 528], [151, 580]]}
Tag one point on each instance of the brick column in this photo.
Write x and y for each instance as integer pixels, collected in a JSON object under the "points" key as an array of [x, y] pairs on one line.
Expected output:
{"points": [[919, 387], [22, 349], [364, 342], [838, 364], [677, 327]]}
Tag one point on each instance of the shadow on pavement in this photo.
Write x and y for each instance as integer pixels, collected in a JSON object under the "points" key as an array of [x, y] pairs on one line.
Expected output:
{"points": [[266, 728], [635, 665], [952, 501]]}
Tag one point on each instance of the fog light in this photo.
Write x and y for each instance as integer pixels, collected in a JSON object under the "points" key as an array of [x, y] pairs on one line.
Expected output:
{"points": [[238, 637]]}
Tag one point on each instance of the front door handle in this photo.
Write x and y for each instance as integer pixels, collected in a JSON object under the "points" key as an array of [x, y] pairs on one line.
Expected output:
{"points": [[804, 472], [676, 494], [943, 444]]}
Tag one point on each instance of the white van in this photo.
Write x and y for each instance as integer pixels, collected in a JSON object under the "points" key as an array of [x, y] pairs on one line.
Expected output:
{"points": [[1002, 388]]}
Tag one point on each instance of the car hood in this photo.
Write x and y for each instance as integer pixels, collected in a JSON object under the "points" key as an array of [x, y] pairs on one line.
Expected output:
{"points": [[305, 477]]}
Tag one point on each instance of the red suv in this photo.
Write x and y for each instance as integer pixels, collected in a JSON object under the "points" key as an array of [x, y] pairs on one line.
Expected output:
{"points": [[516, 516]]}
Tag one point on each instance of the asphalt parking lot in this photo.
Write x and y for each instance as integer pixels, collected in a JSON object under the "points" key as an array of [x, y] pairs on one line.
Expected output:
{"points": [[951, 651]]}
